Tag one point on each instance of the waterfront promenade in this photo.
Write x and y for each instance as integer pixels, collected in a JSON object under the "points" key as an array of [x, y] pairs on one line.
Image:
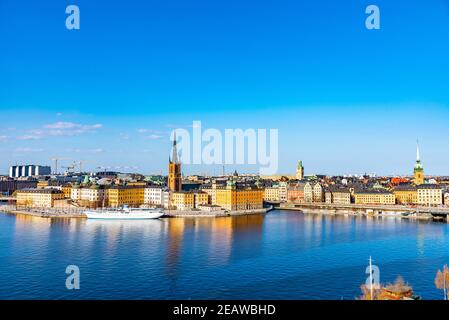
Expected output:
{"points": [[406, 211], [79, 212]]}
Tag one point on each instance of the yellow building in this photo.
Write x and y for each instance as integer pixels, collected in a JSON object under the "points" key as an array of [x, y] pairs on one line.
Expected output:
{"points": [[201, 198], [42, 184], [118, 196], [406, 194], [430, 195], [183, 200], [38, 198], [232, 197], [67, 190], [212, 193], [338, 195], [187, 200], [375, 197], [271, 194]]}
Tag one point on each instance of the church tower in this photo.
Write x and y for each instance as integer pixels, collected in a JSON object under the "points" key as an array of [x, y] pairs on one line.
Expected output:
{"points": [[418, 172], [174, 170], [300, 171]]}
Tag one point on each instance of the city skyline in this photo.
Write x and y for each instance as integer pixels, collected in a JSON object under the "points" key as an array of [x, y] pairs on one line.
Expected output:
{"points": [[346, 100]]}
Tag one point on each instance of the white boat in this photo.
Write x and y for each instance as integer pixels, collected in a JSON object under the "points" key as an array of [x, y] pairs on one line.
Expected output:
{"points": [[125, 214]]}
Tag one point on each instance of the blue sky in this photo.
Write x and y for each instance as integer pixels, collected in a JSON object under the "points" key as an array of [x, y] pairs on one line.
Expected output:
{"points": [[345, 99]]}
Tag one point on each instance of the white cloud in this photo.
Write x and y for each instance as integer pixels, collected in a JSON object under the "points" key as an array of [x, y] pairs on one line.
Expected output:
{"points": [[59, 129], [124, 136], [28, 150], [154, 137], [3, 138], [73, 150], [70, 129], [143, 130], [29, 137], [98, 150]]}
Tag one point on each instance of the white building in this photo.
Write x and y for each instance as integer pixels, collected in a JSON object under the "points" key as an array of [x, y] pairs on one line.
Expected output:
{"points": [[28, 171], [156, 196]]}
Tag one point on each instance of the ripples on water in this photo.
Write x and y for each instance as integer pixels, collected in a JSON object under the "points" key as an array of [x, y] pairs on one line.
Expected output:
{"points": [[281, 255]]}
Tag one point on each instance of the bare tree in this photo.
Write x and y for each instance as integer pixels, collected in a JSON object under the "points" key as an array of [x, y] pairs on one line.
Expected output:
{"points": [[442, 281]]}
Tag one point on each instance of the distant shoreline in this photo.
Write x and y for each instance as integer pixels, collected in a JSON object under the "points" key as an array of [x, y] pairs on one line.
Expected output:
{"points": [[358, 214]]}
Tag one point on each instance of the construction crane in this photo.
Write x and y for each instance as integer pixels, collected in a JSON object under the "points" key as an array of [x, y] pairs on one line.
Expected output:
{"points": [[56, 164], [56, 160], [80, 165], [69, 168]]}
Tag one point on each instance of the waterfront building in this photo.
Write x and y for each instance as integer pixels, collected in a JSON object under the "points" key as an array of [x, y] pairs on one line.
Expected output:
{"points": [[118, 196], [283, 194], [308, 193], [200, 198], [183, 200], [211, 190], [300, 171], [153, 196], [374, 197], [92, 197], [29, 171], [418, 171], [233, 197], [318, 193], [271, 194], [38, 198], [165, 199], [313, 193], [327, 196], [430, 195], [295, 192], [174, 170], [188, 200], [75, 192], [406, 194], [338, 195]]}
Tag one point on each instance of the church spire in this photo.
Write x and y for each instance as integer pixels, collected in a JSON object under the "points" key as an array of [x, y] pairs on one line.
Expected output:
{"points": [[174, 156], [418, 173], [417, 151]]}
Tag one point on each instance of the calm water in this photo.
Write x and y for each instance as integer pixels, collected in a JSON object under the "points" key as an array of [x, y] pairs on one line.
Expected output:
{"points": [[281, 255]]}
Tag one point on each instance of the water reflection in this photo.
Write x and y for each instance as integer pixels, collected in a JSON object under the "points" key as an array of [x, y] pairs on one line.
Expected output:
{"points": [[278, 255]]}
